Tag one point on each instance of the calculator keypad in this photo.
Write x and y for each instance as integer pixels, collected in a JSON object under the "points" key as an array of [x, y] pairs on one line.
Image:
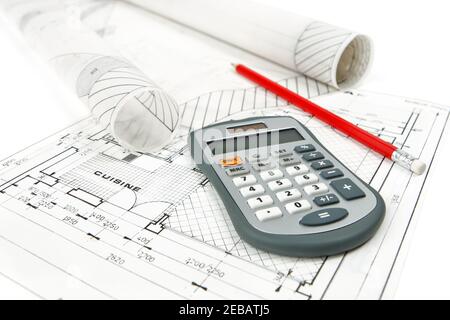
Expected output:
{"points": [[293, 182]]}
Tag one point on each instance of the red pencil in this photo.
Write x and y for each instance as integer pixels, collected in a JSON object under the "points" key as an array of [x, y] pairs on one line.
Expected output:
{"points": [[373, 142]]}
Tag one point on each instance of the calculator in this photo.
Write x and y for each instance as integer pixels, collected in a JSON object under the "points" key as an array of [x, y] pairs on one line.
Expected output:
{"points": [[284, 191]]}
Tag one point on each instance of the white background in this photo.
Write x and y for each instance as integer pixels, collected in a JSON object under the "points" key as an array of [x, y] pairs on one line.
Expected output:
{"points": [[412, 59]]}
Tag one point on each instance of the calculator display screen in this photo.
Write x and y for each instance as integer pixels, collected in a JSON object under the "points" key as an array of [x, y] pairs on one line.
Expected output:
{"points": [[258, 140]]}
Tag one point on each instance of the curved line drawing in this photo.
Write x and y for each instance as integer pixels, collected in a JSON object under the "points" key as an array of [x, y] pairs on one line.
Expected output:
{"points": [[317, 48]]}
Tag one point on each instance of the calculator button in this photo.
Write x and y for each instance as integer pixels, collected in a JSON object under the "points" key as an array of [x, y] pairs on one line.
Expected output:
{"points": [[326, 200], [281, 153], [289, 195], [263, 165], [269, 214], [288, 161], [271, 175], [244, 181], [260, 202], [313, 156], [322, 164], [231, 162], [296, 170], [255, 157], [305, 148], [252, 191], [315, 189], [307, 179], [298, 207], [347, 189], [280, 184], [237, 171], [324, 217], [331, 174]]}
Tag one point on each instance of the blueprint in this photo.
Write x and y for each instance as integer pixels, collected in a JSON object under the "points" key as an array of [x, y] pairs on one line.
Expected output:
{"points": [[83, 217]]}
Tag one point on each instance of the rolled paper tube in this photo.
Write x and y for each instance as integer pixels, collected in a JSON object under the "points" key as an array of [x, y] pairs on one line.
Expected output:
{"points": [[329, 54], [139, 115]]}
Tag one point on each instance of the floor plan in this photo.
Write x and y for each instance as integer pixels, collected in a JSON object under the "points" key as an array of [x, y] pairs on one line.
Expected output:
{"points": [[82, 217]]}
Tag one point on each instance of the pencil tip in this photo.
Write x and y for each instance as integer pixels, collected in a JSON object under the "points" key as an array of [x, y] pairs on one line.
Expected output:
{"points": [[234, 65]]}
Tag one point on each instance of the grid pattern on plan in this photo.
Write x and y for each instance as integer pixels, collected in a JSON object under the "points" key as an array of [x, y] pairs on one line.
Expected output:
{"points": [[203, 216], [83, 176], [172, 183], [168, 183], [218, 105]]}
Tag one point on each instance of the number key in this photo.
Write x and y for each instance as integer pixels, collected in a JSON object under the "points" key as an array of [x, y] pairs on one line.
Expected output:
{"points": [[307, 179], [298, 206], [316, 189], [288, 195], [244, 181], [252, 191], [296, 170], [280, 184], [260, 202], [271, 175]]}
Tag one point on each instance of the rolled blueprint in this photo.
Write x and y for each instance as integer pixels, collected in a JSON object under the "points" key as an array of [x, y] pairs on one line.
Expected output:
{"points": [[139, 115], [329, 54]]}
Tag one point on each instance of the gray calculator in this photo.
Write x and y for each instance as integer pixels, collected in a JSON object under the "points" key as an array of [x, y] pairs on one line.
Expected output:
{"points": [[283, 190]]}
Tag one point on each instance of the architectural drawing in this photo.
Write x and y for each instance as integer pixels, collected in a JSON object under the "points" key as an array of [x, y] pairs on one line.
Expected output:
{"points": [[153, 223]]}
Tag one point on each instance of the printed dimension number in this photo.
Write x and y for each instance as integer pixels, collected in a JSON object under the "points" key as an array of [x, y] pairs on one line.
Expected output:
{"points": [[210, 269]]}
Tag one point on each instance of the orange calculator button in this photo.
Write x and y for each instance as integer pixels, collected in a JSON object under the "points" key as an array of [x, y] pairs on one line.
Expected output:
{"points": [[231, 162]]}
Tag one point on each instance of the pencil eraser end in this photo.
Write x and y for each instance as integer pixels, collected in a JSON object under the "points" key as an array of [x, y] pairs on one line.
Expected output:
{"points": [[418, 167]]}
